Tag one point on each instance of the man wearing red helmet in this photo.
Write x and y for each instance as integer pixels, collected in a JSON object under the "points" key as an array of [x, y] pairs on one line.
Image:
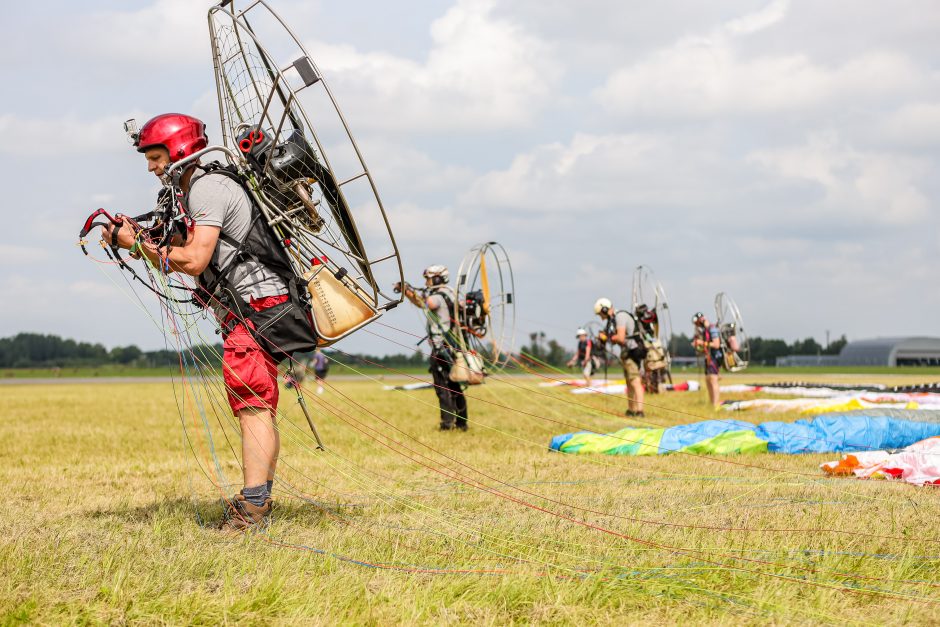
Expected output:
{"points": [[221, 211]]}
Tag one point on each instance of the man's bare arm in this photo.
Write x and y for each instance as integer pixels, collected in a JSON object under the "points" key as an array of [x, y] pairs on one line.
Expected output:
{"points": [[620, 336], [191, 258], [414, 298]]}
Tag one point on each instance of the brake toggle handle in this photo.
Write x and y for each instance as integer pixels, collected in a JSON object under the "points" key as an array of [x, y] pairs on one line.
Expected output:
{"points": [[90, 223]]}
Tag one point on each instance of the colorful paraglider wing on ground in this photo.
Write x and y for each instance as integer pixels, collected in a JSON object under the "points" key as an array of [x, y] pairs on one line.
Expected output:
{"points": [[825, 434], [918, 464]]}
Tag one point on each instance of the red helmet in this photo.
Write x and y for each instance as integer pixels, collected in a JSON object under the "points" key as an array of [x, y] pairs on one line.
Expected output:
{"points": [[181, 135]]}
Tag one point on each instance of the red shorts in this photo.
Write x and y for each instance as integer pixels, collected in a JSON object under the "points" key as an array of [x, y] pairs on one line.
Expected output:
{"points": [[249, 372]]}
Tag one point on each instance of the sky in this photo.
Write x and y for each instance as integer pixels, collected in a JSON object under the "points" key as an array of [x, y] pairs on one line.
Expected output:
{"points": [[783, 152]]}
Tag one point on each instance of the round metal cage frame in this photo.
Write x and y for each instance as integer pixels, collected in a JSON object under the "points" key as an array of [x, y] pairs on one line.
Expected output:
{"points": [[486, 269]]}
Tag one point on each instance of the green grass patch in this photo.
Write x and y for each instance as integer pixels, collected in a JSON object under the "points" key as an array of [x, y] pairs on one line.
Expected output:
{"points": [[84, 372]]}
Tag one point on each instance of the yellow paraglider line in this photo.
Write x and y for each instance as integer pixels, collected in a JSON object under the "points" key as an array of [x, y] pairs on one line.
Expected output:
{"points": [[485, 288]]}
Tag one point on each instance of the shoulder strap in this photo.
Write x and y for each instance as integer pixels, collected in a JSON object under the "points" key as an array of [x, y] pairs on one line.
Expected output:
{"points": [[637, 334], [449, 303], [270, 253], [450, 337]]}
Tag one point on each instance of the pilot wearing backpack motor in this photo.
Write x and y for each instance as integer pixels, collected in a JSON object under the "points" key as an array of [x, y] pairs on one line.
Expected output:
{"points": [[438, 301], [245, 278], [622, 329], [707, 342], [586, 356]]}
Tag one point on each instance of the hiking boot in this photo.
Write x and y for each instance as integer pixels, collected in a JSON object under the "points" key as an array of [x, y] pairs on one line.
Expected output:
{"points": [[240, 515]]}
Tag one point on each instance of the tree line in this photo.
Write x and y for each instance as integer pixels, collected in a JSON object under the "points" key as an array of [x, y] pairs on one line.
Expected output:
{"points": [[764, 351], [34, 350]]}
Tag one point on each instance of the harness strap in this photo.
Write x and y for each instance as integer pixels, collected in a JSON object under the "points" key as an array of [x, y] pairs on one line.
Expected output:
{"points": [[637, 334], [448, 336]]}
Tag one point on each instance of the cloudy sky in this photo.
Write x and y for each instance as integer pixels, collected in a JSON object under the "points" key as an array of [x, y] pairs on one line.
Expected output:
{"points": [[783, 152]]}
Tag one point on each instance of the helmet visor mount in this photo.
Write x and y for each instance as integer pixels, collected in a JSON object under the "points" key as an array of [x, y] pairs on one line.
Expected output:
{"points": [[133, 133]]}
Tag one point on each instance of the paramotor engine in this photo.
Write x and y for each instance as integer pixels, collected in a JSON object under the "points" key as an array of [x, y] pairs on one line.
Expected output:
{"points": [[647, 290], [653, 316], [277, 114], [486, 303]]}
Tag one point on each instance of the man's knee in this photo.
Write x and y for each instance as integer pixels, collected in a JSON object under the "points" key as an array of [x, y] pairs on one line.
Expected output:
{"points": [[631, 371], [255, 416]]}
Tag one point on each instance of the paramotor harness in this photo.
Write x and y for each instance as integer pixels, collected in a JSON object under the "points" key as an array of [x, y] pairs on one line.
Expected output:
{"points": [[448, 336], [283, 329], [633, 346], [647, 321]]}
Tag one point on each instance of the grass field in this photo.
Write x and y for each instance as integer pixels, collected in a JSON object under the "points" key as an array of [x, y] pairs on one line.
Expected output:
{"points": [[113, 490], [111, 371], [783, 374]]}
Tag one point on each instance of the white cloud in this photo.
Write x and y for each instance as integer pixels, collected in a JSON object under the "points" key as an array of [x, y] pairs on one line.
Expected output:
{"points": [[715, 74], [914, 124], [765, 18], [61, 136], [163, 35], [402, 171], [598, 172], [480, 73], [15, 255], [440, 229], [881, 188]]}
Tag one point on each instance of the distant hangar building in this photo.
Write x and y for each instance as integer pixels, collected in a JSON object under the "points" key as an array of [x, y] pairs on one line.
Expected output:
{"points": [[892, 351]]}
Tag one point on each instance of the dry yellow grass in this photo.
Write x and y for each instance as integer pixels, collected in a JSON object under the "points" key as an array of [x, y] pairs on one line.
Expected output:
{"points": [[111, 500]]}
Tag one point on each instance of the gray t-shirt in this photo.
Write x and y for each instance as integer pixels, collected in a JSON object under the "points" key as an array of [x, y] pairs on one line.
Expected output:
{"points": [[623, 319], [217, 200], [438, 318]]}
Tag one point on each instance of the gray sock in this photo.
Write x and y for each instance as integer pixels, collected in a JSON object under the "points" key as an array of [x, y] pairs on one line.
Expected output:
{"points": [[270, 485], [256, 495]]}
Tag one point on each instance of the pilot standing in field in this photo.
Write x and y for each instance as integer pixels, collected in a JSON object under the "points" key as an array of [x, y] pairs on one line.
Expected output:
{"points": [[622, 329], [708, 342], [585, 356], [221, 211], [439, 305]]}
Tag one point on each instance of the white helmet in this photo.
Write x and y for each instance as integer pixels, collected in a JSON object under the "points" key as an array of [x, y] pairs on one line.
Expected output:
{"points": [[580, 332], [602, 306], [437, 271]]}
